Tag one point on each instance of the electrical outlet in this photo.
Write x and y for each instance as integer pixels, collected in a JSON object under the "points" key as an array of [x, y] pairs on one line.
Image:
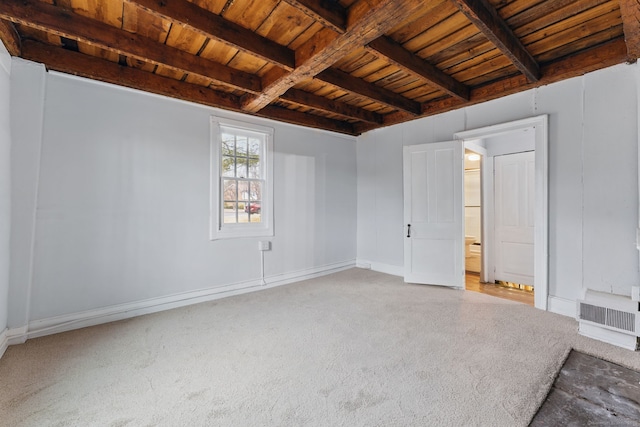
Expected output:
{"points": [[264, 245]]}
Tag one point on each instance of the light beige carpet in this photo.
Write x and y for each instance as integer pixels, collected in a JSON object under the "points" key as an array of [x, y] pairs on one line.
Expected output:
{"points": [[356, 348]]}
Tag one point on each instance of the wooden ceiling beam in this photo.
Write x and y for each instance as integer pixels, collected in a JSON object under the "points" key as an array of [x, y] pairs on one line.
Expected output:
{"points": [[214, 26], [303, 119], [170, 9], [343, 109], [484, 16], [70, 62], [376, 93], [596, 58], [64, 23], [329, 14], [630, 10], [79, 64], [10, 37], [398, 55], [366, 21]]}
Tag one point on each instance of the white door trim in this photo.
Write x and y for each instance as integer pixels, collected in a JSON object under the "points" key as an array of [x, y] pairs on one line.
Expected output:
{"points": [[540, 124]]}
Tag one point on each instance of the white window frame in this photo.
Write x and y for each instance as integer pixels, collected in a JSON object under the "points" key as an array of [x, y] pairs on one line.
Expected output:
{"points": [[219, 230]]}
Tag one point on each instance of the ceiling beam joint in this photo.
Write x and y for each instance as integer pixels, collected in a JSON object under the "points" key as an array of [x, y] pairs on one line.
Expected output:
{"points": [[10, 37], [366, 20], [486, 18], [630, 11]]}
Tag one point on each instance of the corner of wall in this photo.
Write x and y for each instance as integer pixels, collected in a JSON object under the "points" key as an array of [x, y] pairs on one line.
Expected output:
{"points": [[5, 188], [5, 59], [380, 267], [28, 85], [637, 70]]}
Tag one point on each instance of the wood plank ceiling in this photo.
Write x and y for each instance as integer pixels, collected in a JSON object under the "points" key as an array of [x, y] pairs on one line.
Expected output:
{"points": [[347, 66]]}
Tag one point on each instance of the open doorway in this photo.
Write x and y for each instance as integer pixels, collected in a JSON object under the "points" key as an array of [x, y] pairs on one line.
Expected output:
{"points": [[473, 203], [472, 212], [505, 210]]}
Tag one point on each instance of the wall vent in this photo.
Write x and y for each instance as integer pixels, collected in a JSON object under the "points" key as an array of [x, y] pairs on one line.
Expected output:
{"points": [[607, 316], [611, 318]]}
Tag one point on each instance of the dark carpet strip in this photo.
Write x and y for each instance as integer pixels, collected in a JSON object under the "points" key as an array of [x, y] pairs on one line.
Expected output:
{"points": [[592, 392]]}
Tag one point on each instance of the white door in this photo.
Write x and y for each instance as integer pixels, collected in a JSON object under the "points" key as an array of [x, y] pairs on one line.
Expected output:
{"points": [[514, 219], [433, 213]]}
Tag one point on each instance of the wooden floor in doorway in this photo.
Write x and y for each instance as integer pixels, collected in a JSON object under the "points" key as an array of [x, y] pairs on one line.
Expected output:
{"points": [[473, 284]]}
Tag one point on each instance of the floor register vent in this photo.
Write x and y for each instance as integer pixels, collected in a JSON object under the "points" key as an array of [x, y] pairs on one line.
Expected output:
{"points": [[611, 318]]}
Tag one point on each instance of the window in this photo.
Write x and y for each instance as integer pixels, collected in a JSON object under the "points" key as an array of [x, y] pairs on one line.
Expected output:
{"points": [[242, 179]]}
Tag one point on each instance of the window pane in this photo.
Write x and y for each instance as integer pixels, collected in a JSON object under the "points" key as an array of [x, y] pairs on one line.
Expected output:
{"points": [[243, 190], [241, 167], [228, 145], [255, 211], [241, 146], [230, 213], [254, 168], [256, 191], [253, 207], [229, 189], [228, 167], [242, 161], [255, 147], [243, 217]]}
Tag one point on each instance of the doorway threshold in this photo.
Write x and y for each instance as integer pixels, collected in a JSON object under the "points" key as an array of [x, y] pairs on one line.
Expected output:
{"points": [[472, 283]]}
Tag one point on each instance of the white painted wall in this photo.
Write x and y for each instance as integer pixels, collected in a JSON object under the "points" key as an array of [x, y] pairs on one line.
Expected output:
{"points": [[122, 210], [5, 186], [112, 192], [515, 141], [27, 102], [593, 185]]}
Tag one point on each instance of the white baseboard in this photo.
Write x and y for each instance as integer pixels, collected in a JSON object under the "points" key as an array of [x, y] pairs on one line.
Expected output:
{"points": [[17, 335], [394, 270], [54, 325], [4, 342], [610, 336], [563, 306]]}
